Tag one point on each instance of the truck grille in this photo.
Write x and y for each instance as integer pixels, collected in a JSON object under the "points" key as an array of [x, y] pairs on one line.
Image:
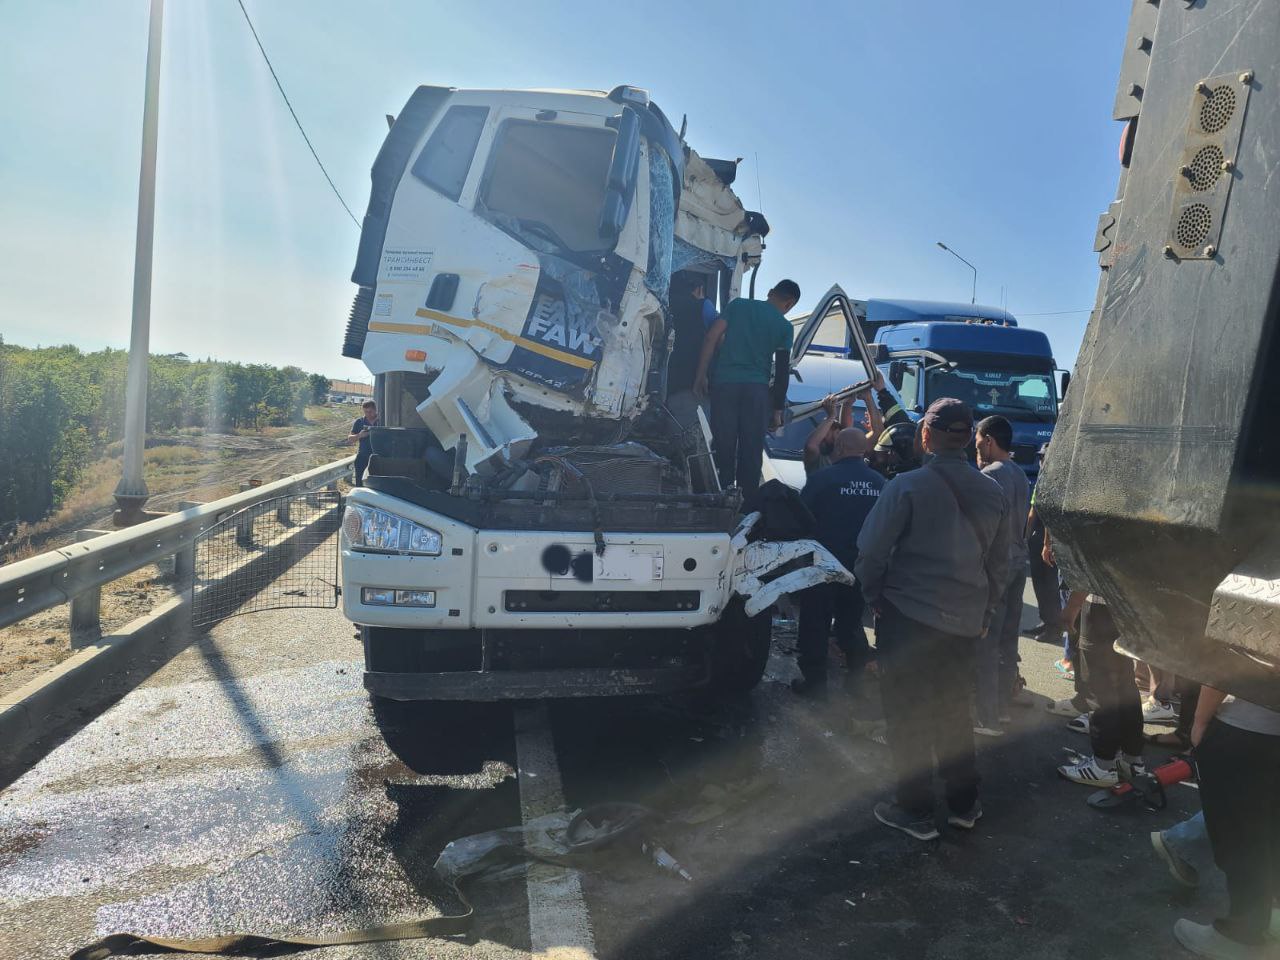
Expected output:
{"points": [[599, 601], [621, 468]]}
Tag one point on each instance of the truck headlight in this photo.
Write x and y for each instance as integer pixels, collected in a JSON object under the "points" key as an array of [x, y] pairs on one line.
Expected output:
{"points": [[378, 531]]}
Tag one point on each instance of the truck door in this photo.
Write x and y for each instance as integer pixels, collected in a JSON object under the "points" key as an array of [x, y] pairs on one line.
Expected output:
{"points": [[833, 321]]}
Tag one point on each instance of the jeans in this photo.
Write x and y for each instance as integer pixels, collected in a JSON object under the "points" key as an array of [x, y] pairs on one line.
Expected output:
{"points": [[927, 711], [1116, 721], [818, 607], [362, 464], [739, 417], [1240, 793], [997, 655], [1190, 841]]}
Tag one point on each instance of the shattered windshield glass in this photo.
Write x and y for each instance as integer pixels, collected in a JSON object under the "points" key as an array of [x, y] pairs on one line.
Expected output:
{"points": [[1029, 395], [548, 181]]}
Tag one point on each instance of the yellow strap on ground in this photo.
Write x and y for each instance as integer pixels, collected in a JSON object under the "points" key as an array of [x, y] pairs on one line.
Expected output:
{"points": [[248, 944]]}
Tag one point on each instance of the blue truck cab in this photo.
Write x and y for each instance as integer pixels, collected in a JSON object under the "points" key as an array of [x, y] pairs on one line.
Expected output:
{"points": [[929, 349], [992, 364]]}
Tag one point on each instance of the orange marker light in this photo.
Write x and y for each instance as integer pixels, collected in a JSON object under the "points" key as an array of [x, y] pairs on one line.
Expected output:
{"points": [[416, 355]]}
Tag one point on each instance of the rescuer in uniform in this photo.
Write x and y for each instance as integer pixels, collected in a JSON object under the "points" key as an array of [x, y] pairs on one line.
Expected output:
{"points": [[840, 497], [933, 563], [756, 337]]}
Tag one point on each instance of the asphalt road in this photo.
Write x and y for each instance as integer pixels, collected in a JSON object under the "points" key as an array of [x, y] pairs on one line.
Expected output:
{"points": [[246, 787]]}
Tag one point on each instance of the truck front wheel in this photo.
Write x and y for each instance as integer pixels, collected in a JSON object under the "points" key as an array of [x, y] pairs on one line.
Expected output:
{"points": [[740, 651]]}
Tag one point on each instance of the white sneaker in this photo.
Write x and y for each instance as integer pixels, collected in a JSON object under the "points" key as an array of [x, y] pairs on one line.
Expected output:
{"points": [[1157, 711], [1205, 941], [1088, 772]]}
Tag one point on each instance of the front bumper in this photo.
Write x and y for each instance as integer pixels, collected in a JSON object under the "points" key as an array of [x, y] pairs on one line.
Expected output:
{"points": [[541, 579]]}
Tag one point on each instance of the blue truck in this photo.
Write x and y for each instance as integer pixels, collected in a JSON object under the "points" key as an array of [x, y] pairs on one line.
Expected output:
{"points": [[926, 350]]}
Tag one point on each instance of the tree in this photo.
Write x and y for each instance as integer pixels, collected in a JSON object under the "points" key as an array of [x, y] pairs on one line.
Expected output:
{"points": [[319, 387]]}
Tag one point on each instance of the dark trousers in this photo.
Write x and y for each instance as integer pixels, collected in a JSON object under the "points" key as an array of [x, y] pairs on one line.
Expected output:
{"points": [[1240, 793], [997, 655], [926, 709], [1189, 694], [362, 464], [819, 606], [1116, 720], [1044, 580], [739, 417]]}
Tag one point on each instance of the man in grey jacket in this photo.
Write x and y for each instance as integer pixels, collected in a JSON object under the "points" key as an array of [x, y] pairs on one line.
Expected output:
{"points": [[997, 667], [933, 562]]}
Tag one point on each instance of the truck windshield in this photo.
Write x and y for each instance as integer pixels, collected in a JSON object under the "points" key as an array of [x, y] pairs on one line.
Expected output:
{"points": [[1017, 395], [548, 180]]}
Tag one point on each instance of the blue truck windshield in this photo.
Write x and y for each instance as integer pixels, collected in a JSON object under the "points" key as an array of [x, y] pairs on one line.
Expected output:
{"points": [[1017, 395]]}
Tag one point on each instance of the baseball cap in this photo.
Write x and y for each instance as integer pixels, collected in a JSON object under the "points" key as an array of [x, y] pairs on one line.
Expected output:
{"points": [[949, 415]]}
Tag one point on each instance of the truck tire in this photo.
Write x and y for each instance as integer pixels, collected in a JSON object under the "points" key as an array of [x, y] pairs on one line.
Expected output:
{"points": [[740, 651]]}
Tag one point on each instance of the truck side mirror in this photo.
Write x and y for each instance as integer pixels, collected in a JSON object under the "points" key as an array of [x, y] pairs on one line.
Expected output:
{"points": [[1066, 382], [897, 370], [620, 186]]}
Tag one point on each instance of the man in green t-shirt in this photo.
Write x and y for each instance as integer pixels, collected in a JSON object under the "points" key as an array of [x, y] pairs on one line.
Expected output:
{"points": [[753, 336]]}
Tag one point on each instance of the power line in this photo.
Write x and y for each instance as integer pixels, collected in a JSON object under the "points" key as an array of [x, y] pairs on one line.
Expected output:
{"points": [[293, 114]]}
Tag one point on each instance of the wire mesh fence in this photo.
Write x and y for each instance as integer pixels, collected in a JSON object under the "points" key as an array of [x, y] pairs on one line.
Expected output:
{"points": [[273, 555]]}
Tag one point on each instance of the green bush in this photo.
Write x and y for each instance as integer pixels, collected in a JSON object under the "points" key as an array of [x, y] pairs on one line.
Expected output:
{"points": [[63, 408]]}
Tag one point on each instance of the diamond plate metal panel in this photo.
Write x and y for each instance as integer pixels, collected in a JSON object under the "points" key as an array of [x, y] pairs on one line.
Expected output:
{"points": [[1245, 612]]}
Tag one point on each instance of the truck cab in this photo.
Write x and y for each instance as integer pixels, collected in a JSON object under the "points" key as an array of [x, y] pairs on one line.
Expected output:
{"points": [[993, 365], [535, 520], [931, 349]]}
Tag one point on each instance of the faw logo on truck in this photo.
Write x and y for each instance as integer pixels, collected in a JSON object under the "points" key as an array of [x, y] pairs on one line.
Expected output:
{"points": [[559, 345], [550, 323]]}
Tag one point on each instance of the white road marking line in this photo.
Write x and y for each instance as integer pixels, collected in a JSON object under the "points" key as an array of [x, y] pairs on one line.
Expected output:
{"points": [[559, 925]]}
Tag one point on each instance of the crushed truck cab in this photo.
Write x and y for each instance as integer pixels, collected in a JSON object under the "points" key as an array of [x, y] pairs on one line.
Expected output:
{"points": [[539, 519]]}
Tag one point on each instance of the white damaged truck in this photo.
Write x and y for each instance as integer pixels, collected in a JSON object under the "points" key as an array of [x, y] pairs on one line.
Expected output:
{"points": [[535, 521]]}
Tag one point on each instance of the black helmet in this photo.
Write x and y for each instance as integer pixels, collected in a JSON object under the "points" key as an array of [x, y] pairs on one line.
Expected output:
{"points": [[899, 438]]}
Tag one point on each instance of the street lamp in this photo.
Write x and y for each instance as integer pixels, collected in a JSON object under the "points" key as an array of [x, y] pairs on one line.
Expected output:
{"points": [[131, 493], [974, 298]]}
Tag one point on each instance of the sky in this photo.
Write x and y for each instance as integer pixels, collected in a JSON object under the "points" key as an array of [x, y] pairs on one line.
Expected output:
{"points": [[869, 131]]}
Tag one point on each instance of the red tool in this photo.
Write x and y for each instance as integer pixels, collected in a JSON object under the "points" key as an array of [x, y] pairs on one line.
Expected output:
{"points": [[1147, 788]]}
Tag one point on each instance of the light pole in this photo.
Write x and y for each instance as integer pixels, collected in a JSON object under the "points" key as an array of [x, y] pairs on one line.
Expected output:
{"points": [[131, 492], [974, 298]]}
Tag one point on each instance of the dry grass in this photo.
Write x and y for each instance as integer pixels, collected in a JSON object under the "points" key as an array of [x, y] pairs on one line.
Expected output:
{"points": [[189, 463]]}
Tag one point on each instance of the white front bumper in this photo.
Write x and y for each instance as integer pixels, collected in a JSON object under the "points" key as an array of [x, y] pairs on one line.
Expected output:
{"points": [[477, 569]]}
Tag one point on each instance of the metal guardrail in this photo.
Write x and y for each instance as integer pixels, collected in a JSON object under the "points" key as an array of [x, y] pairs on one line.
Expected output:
{"points": [[79, 570]]}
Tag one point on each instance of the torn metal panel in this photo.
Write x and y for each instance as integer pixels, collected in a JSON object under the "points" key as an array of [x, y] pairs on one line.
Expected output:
{"points": [[711, 216], [764, 570]]}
